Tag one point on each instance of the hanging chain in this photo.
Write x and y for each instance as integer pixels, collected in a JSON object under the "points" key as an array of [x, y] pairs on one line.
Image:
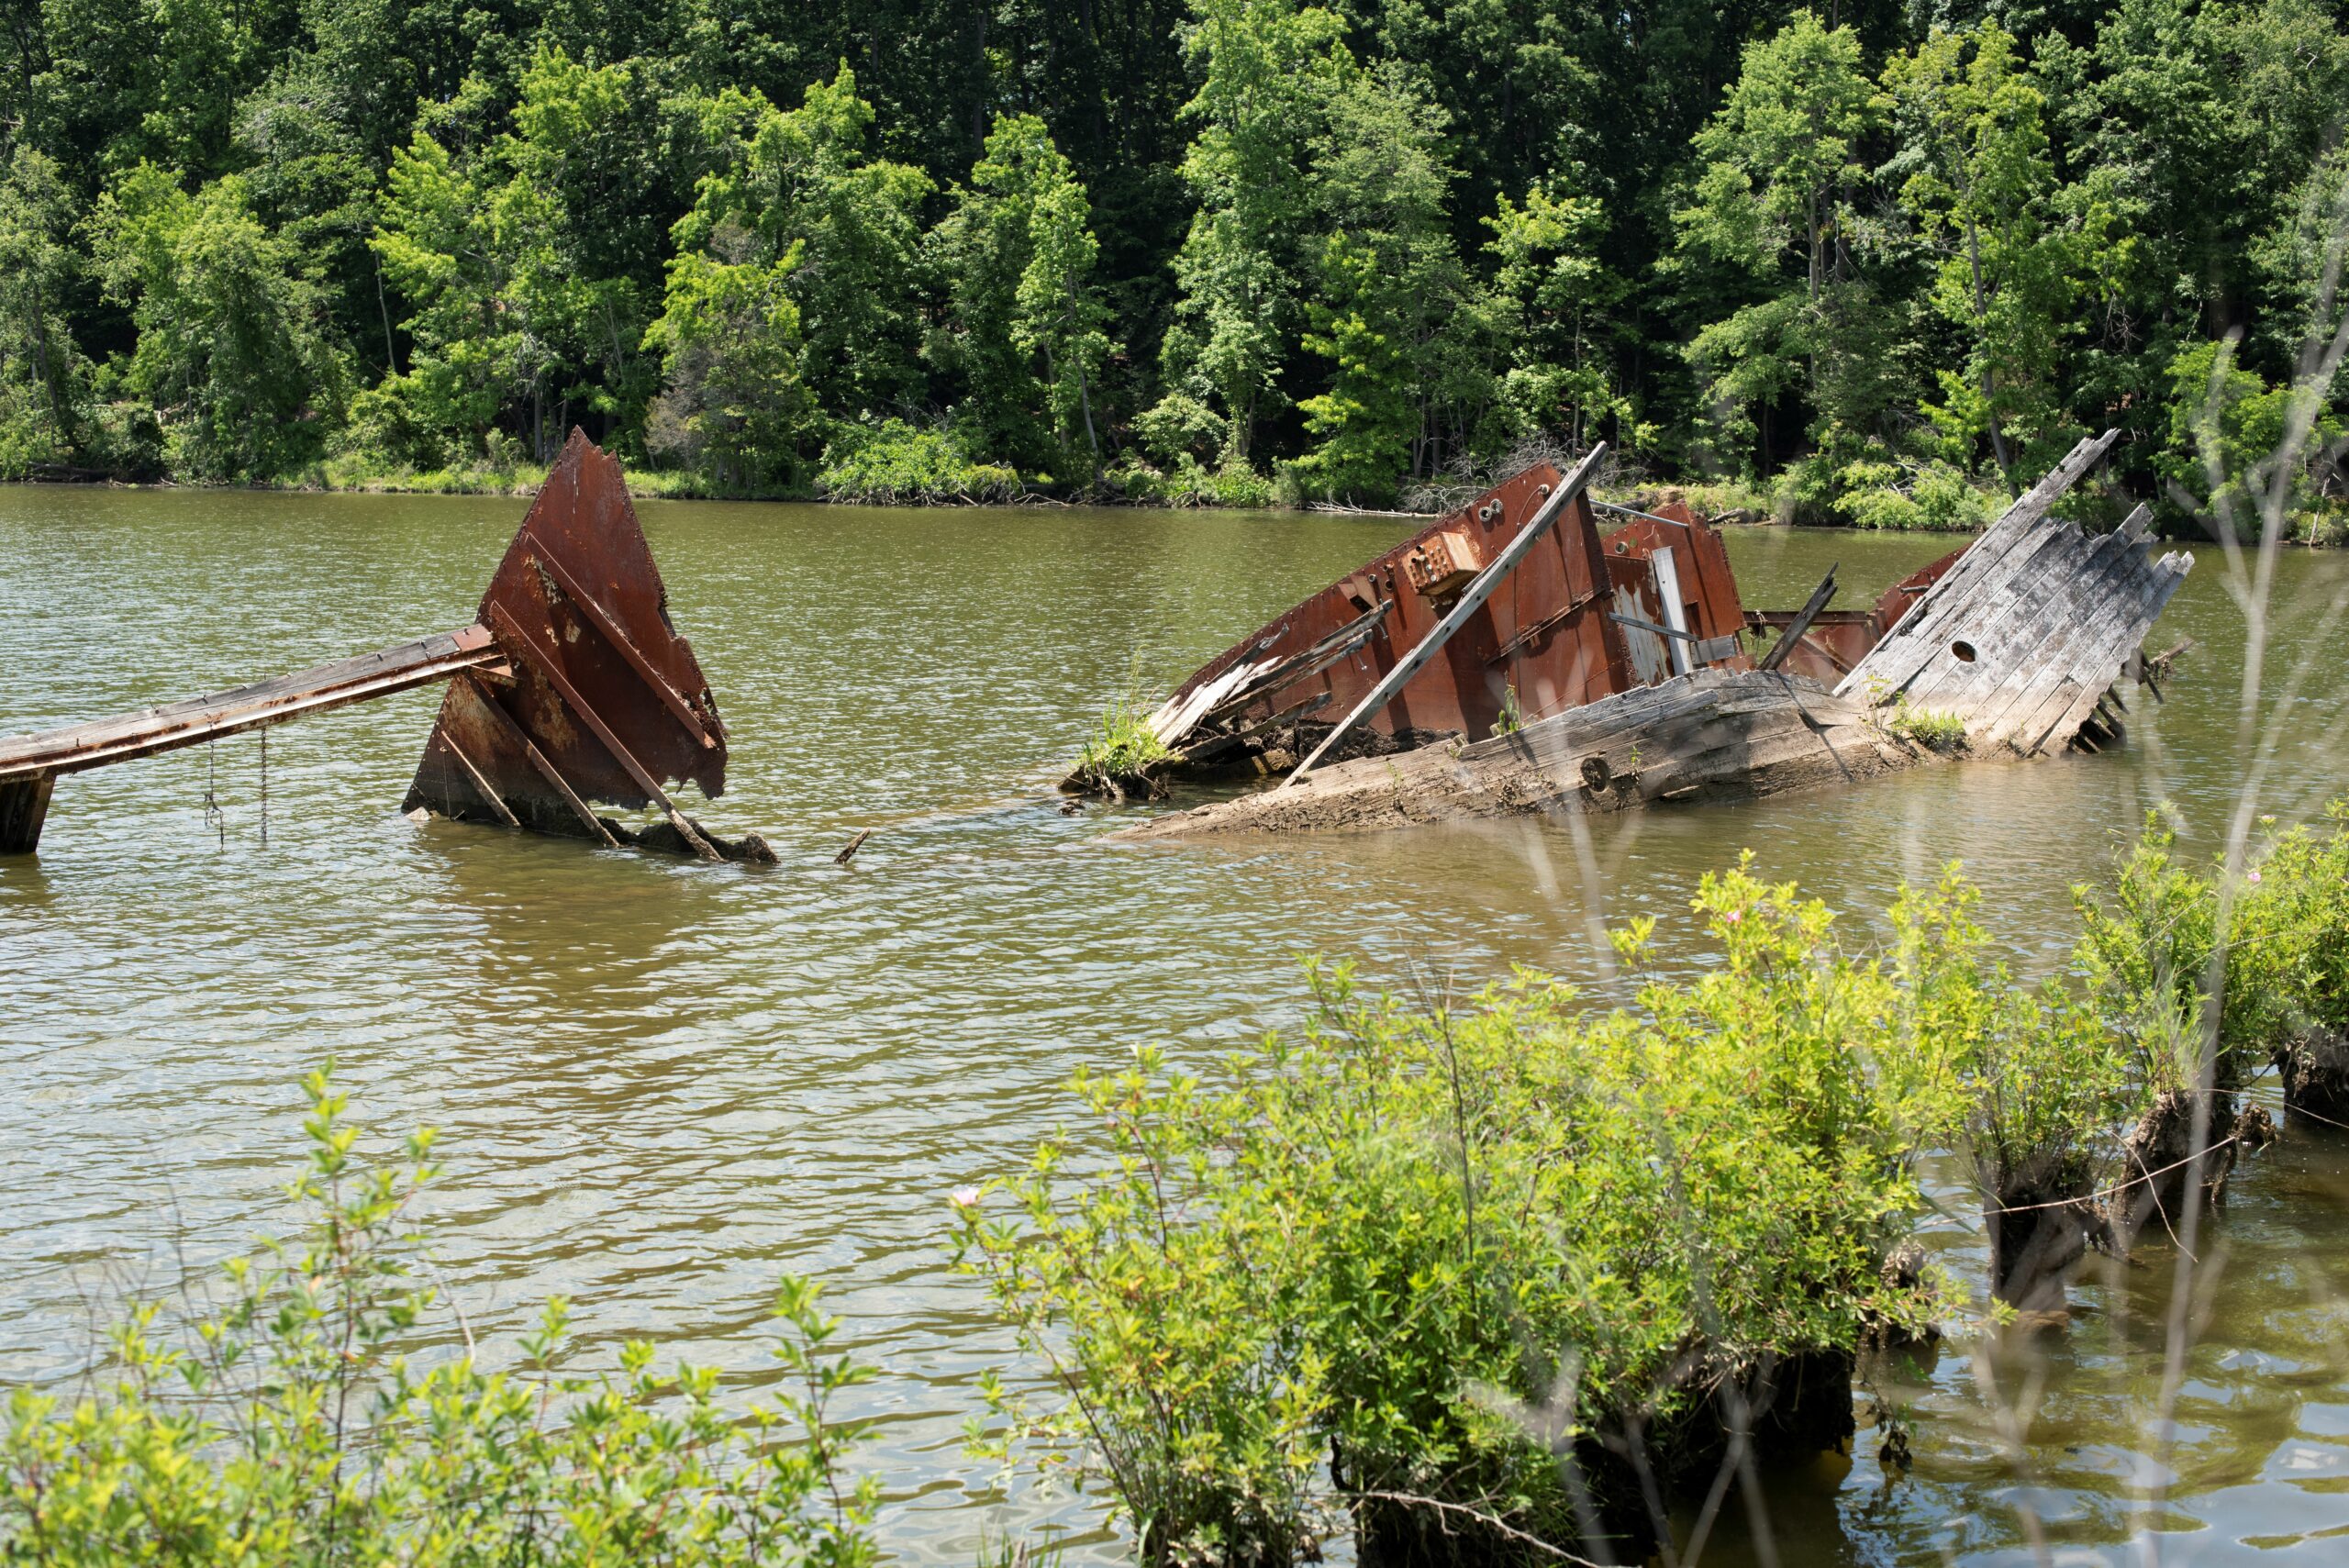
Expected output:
{"points": [[264, 789], [214, 817]]}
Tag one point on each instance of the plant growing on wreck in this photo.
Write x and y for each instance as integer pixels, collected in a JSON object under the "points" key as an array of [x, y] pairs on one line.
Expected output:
{"points": [[283, 1424], [1122, 751], [1496, 1262], [1936, 731]]}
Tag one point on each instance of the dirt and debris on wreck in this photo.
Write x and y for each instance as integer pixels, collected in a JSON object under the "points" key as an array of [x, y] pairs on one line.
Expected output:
{"points": [[1517, 656]]}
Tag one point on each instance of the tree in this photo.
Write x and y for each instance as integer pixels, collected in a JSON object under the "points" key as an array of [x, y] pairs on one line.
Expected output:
{"points": [[1550, 284], [1981, 185], [44, 379], [1390, 297], [1776, 198], [729, 336], [1027, 323], [804, 178], [233, 347], [1268, 70]]}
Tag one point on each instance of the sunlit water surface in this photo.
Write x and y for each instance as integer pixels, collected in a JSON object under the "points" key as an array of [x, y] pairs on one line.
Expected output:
{"points": [[661, 1084]]}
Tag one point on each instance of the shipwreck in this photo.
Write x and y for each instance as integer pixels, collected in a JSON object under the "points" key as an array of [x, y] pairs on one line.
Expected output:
{"points": [[570, 685], [1514, 657]]}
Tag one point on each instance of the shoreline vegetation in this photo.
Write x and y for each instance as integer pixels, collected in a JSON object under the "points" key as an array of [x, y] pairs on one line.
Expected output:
{"points": [[1494, 1279], [1866, 268]]}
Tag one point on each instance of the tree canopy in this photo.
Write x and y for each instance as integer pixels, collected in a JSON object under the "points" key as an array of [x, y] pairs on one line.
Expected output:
{"points": [[1873, 264]]}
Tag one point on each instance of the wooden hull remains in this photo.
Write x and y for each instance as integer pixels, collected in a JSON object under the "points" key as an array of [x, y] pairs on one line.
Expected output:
{"points": [[572, 685], [1641, 692]]}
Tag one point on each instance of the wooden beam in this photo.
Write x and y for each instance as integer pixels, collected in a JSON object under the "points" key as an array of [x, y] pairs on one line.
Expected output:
{"points": [[538, 759], [518, 645], [272, 701], [24, 807], [1472, 599], [1801, 623]]}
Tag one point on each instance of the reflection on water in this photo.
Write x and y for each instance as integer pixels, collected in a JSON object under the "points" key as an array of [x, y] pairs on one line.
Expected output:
{"points": [[660, 1082]]}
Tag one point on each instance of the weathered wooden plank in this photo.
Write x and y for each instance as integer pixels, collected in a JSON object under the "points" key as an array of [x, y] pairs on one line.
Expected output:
{"points": [[2002, 713], [2016, 628], [2117, 595], [2100, 664], [1893, 662], [1820, 597], [24, 807], [2002, 626], [274, 701]]}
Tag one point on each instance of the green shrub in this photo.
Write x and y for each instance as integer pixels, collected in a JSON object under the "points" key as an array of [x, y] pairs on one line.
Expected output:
{"points": [[1447, 1247], [1190, 484], [1939, 731], [287, 1428], [893, 463]]}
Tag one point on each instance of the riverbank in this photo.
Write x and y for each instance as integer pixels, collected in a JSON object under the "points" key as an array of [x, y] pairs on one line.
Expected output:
{"points": [[1728, 505]]}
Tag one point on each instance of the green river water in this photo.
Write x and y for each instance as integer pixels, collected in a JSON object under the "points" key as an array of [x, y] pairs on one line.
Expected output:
{"points": [[659, 1083]]}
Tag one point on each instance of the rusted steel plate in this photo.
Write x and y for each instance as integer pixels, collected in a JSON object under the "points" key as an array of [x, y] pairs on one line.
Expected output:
{"points": [[1544, 633], [592, 648]]}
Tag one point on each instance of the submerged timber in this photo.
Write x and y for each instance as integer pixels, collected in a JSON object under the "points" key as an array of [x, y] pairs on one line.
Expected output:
{"points": [[1512, 657]]}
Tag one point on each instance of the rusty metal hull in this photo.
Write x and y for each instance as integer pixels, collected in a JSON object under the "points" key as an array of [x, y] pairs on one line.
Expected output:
{"points": [[572, 686], [1584, 615], [603, 701]]}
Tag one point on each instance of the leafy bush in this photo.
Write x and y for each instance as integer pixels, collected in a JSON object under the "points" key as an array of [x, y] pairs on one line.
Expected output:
{"points": [[893, 463], [285, 1426], [1452, 1247], [1189, 483], [2227, 448]]}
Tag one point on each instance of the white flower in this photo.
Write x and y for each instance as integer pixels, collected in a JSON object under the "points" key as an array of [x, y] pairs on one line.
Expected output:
{"points": [[964, 1197]]}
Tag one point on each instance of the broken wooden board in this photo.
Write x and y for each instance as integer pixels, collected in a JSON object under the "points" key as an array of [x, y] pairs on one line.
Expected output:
{"points": [[1713, 735], [2024, 634]]}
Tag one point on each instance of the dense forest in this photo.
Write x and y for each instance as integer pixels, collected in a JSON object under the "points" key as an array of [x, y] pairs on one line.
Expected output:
{"points": [[1874, 265]]}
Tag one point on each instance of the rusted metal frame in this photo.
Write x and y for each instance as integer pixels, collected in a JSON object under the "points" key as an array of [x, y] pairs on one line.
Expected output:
{"points": [[1472, 599], [1635, 512], [1340, 644], [517, 643], [538, 759], [622, 644], [1215, 744], [1527, 637], [83, 747], [1801, 623], [497, 802]]}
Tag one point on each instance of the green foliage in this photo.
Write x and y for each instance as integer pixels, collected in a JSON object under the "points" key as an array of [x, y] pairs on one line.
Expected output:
{"points": [[1026, 328], [1124, 748], [282, 1422], [44, 378], [1887, 264], [1446, 1247], [894, 463], [233, 353], [1939, 731], [2238, 446]]}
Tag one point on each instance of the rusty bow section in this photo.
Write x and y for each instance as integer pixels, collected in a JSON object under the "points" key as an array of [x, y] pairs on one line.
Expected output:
{"points": [[599, 698], [573, 687]]}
